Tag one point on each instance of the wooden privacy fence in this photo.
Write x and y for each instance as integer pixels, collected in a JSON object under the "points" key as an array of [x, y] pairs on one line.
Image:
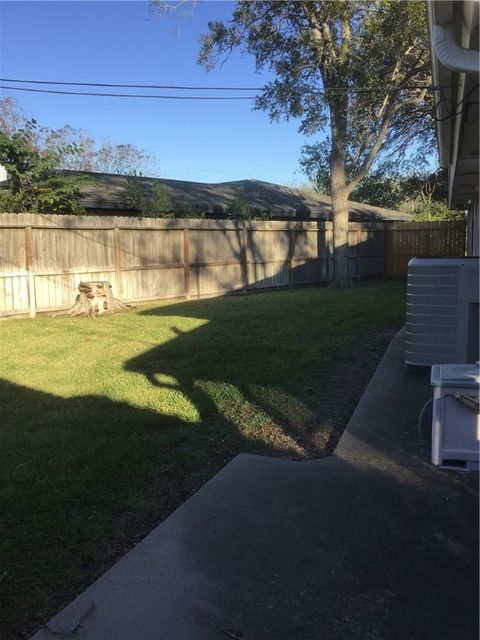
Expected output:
{"points": [[404, 240], [43, 258]]}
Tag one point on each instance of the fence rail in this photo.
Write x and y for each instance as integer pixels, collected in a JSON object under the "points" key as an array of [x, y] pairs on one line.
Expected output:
{"points": [[43, 258], [407, 239]]}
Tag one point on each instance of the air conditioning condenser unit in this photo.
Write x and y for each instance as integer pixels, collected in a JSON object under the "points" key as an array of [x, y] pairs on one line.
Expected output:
{"points": [[442, 311]]}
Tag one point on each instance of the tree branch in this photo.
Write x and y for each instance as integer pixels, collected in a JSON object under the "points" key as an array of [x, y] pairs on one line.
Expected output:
{"points": [[417, 100], [390, 111], [374, 149]]}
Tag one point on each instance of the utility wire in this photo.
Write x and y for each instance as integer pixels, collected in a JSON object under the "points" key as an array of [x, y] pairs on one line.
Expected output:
{"points": [[215, 88], [126, 95], [456, 109], [450, 112], [131, 86], [171, 97]]}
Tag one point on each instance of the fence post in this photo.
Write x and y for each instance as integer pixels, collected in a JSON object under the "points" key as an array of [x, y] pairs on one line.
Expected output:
{"points": [[118, 261], [388, 250], [329, 243], [467, 238], [186, 262], [291, 249], [428, 239], [32, 310], [243, 257], [359, 242]]}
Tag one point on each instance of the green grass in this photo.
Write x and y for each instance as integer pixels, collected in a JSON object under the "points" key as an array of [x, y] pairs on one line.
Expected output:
{"points": [[108, 424]]}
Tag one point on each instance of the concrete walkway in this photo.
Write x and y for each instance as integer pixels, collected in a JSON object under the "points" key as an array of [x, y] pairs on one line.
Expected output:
{"points": [[372, 543]]}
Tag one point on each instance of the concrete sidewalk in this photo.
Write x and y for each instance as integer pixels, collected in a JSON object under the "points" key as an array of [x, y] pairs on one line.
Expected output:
{"points": [[372, 543]]}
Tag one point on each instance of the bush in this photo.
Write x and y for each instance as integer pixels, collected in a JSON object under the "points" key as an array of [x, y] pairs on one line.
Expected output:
{"points": [[239, 208], [431, 211], [157, 205], [33, 182]]}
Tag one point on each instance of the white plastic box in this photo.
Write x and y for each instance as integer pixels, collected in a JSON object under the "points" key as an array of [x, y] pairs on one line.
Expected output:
{"points": [[456, 423]]}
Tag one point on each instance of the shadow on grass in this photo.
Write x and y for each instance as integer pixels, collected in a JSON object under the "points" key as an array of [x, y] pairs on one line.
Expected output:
{"points": [[337, 546], [290, 380], [84, 478]]}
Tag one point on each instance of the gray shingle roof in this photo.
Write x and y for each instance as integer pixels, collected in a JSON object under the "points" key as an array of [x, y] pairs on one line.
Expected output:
{"points": [[106, 191]]}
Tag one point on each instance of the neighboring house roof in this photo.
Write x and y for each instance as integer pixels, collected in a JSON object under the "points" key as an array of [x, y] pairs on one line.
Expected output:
{"points": [[107, 191], [454, 40]]}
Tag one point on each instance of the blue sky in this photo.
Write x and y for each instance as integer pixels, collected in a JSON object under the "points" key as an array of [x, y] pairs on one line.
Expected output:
{"points": [[122, 42]]}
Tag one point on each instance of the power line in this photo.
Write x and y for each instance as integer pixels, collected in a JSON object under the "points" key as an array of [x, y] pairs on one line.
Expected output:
{"points": [[371, 89], [126, 95], [131, 86], [150, 96]]}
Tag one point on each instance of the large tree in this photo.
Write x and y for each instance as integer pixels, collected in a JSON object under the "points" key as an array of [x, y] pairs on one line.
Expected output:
{"points": [[358, 69], [76, 149], [102, 156], [12, 118]]}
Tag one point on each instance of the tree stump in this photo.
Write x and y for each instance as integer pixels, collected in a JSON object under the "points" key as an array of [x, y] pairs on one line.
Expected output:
{"points": [[95, 299]]}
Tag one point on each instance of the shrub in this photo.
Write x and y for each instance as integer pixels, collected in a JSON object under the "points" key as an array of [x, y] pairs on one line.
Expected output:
{"points": [[157, 205], [34, 183]]}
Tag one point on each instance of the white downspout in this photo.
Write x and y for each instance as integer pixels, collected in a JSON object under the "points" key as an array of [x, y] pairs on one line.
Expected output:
{"points": [[456, 132], [450, 53], [458, 58]]}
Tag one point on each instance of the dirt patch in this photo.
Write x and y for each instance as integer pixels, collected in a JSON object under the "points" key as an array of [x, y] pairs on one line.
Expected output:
{"points": [[342, 389]]}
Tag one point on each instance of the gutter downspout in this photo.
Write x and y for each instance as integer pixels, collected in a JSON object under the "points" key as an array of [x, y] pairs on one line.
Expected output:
{"points": [[456, 134], [450, 53], [461, 60]]}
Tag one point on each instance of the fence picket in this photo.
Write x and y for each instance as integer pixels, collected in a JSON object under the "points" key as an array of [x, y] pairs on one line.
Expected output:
{"points": [[43, 257]]}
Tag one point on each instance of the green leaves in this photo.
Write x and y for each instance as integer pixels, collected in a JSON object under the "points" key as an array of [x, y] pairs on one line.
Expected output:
{"points": [[33, 181], [430, 211], [239, 208], [365, 61], [147, 200]]}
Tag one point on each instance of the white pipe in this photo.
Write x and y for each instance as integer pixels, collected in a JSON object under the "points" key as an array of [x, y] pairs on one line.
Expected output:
{"points": [[450, 53], [456, 135]]}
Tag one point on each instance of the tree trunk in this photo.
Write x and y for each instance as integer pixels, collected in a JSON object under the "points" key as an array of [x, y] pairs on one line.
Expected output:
{"points": [[95, 299], [339, 195], [340, 277]]}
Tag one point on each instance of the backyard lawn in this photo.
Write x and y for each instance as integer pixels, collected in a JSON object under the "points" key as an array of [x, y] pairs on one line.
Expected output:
{"points": [[109, 424]]}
